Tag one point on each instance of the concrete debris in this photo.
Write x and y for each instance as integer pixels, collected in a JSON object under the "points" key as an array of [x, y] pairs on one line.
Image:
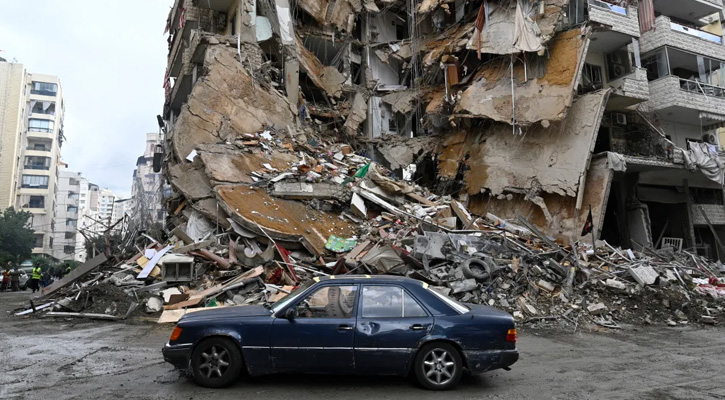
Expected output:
{"points": [[644, 275]]}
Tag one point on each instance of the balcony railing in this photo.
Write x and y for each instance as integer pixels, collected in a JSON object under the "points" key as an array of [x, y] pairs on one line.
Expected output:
{"points": [[611, 7], [695, 32], [702, 88], [32, 148], [36, 166], [43, 92]]}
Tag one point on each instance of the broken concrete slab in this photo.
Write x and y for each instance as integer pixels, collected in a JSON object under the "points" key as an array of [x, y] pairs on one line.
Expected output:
{"points": [[557, 150], [282, 219], [227, 164], [191, 181], [224, 103], [304, 191], [489, 96], [323, 76], [615, 284], [644, 275], [597, 309]]}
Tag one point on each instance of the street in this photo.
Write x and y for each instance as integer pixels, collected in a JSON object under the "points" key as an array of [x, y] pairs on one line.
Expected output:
{"points": [[64, 359]]}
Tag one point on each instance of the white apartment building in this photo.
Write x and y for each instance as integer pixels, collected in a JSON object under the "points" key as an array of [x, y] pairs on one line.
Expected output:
{"points": [[12, 126], [66, 244]]}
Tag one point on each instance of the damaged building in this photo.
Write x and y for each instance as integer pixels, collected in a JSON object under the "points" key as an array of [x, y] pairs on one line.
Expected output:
{"points": [[535, 110]]}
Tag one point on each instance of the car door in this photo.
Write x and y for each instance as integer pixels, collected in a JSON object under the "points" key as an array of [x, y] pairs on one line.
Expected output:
{"points": [[389, 327], [319, 338]]}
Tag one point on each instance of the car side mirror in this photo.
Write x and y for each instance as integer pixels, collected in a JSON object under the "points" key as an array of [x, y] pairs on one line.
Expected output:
{"points": [[289, 313]]}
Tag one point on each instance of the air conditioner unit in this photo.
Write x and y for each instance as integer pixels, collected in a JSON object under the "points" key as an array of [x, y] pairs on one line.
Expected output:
{"points": [[620, 118], [709, 138], [618, 71]]}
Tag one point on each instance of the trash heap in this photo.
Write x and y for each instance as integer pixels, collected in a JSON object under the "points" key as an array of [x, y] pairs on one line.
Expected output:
{"points": [[289, 209]]}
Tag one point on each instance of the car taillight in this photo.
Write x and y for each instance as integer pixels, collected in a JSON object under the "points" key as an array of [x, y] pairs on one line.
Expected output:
{"points": [[511, 335], [177, 332]]}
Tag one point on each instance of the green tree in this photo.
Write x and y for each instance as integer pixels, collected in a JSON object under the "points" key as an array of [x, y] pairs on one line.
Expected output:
{"points": [[16, 238]]}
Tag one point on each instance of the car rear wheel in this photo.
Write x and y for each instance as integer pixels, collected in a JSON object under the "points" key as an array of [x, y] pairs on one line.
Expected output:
{"points": [[438, 366], [216, 362]]}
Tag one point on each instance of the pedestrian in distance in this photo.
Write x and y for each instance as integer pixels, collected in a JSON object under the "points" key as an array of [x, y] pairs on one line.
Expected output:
{"points": [[15, 279], [5, 284], [35, 278]]}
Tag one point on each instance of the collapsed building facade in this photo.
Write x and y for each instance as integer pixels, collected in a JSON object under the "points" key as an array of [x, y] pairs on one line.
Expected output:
{"points": [[518, 109]]}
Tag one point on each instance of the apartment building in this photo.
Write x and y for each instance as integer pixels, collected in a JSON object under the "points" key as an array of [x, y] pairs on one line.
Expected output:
{"points": [[538, 109], [31, 125], [147, 188], [67, 214], [12, 128]]}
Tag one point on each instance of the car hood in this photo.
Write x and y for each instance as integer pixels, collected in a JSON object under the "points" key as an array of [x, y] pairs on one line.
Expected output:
{"points": [[225, 312], [478, 309]]}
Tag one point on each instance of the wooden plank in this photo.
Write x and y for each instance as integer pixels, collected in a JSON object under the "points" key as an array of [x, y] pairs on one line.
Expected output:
{"points": [[173, 316], [74, 275], [180, 207], [194, 246], [421, 199]]}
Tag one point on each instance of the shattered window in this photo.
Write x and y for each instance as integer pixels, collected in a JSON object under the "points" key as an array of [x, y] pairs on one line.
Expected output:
{"points": [[328, 302], [389, 302]]}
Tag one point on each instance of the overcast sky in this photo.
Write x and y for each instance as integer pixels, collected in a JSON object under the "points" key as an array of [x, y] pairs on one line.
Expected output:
{"points": [[110, 57]]}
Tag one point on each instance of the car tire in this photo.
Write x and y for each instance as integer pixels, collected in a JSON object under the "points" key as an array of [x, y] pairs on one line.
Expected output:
{"points": [[438, 366], [216, 362], [476, 268]]}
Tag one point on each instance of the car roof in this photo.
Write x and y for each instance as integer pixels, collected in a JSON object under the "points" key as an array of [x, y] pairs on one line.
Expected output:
{"points": [[370, 279]]}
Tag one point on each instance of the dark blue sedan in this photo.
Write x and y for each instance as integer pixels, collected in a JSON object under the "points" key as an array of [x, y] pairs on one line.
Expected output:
{"points": [[379, 325]]}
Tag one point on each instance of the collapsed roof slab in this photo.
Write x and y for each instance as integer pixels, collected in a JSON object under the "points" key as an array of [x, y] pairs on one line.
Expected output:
{"points": [[550, 160], [226, 102], [286, 220], [542, 98], [566, 221], [230, 164], [324, 77]]}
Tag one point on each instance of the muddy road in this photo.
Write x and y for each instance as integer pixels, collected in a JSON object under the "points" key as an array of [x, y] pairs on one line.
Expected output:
{"points": [[67, 359]]}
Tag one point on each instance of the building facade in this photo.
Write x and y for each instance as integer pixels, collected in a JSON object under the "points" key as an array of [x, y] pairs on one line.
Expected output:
{"points": [[540, 109], [67, 215], [12, 127], [31, 125], [147, 189]]}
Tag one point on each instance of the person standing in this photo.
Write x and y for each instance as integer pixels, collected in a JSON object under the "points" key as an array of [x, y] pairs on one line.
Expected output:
{"points": [[35, 278], [5, 285], [15, 279]]}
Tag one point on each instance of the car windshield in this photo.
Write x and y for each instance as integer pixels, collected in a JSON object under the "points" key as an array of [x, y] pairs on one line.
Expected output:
{"points": [[460, 308], [279, 304]]}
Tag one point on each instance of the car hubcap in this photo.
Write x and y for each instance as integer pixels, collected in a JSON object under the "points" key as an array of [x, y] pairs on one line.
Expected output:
{"points": [[439, 366], [216, 362]]}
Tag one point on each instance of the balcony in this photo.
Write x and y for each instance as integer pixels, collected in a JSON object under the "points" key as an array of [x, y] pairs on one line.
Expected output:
{"points": [[629, 90], [690, 39], [618, 19], [671, 92], [715, 213]]}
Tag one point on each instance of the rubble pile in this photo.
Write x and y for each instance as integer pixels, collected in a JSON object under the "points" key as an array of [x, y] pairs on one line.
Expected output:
{"points": [[298, 211]]}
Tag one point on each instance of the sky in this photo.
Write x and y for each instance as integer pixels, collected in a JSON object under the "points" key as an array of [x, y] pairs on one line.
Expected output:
{"points": [[110, 57]]}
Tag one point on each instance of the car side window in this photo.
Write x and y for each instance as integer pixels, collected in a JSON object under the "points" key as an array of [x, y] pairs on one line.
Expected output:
{"points": [[389, 302], [328, 302]]}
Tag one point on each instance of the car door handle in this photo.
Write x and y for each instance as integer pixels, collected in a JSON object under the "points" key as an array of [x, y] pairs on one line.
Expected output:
{"points": [[344, 328], [417, 327]]}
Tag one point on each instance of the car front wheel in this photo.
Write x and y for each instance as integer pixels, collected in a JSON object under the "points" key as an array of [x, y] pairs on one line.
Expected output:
{"points": [[438, 366], [216, 362]]}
